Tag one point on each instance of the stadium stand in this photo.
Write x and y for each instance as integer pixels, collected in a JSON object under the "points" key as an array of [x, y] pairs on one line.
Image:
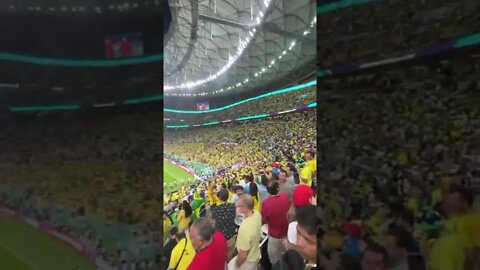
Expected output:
{"points": [[398, 149], [274, 103], [378, 30], [88, 175]]}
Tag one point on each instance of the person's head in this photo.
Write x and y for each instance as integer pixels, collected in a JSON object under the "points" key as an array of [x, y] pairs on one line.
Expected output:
{"points": [[264, 180], [245, 204], [457, 200], [282, 176], [223, 195], [187, 208], [308, 227], [238, 190], [398, 243], [301, 195], [253, 190], [309, 155], [248, 178], [375, 258], [273, 188], [201, 233]]}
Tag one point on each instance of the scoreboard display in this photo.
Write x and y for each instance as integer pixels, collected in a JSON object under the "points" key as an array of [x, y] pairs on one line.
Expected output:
{"points": [[203, 106]]}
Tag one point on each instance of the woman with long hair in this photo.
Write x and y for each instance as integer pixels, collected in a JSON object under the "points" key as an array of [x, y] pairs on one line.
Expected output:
{"points": [[255, 195], [184, 217]]}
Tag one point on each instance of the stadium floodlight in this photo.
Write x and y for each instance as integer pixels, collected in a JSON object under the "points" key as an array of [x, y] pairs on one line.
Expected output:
{"points": [[242, 46], [258, 73]]}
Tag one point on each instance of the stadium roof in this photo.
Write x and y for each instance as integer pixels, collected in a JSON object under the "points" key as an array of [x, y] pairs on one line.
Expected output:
{"points": [[221, 46]]}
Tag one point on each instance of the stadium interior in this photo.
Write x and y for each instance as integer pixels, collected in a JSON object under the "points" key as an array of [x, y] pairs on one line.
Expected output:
{"points": [[240, 95], [299, 135]]}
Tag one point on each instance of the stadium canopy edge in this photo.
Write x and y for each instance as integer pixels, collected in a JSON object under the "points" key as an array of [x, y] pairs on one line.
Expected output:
{"points": [[276, 92]]}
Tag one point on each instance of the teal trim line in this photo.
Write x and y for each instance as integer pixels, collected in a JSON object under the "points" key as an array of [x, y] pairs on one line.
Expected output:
{"points": [[468, 41], [179, 126], [331, 7], [211, 123], [311, 105], [45, 108], [81, 63], [252, 117], [281, 91], [143, 99]]}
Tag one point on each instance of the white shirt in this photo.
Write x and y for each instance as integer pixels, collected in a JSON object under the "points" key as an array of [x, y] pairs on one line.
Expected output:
{"points": [[292, 232]]}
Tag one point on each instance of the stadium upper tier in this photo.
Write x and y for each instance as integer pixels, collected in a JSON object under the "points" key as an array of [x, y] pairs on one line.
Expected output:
{"points": [[274, 103], [389, 28], [256, 143]]}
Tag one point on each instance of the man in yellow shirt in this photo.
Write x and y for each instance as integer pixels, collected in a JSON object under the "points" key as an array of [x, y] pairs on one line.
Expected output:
{"points": [[182, 254], [248, 238], [457, 205], [306, 176], [311, 163]]}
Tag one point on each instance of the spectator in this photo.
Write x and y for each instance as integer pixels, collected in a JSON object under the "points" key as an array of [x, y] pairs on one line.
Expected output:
{"points": [[308, 227], [457, 206], [238, 192], [224, 216], [274, 214], [255, 195], [184, 216], [285, 185], [170, 244], [183, 253], [210, 246], [248, 239], [400, 246]]}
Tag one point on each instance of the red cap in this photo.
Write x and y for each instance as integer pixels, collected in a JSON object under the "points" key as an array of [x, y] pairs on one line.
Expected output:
{"points": [[353, 229], [301, 195]]}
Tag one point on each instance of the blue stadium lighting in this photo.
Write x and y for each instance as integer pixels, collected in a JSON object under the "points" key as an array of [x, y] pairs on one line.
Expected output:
{"points": [[211, 123], [342, 4], [81, 63], [143, 99], [44, 108], [281, 91], [179, 126], [258, 116]]}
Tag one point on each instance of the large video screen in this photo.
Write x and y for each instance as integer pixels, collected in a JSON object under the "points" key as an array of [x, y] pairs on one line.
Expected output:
{"points": [[124, 45], [203, 106]]}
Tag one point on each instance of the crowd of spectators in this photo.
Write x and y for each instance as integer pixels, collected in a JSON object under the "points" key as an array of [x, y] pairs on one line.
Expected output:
{"points": [[94, 177], [398, 154], [262, 185], [384, 29]]}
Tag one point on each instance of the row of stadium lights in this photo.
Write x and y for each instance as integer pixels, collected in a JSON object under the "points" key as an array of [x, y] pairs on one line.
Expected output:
{"points": [[241, 48], [257, 74], [97, 9]]}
